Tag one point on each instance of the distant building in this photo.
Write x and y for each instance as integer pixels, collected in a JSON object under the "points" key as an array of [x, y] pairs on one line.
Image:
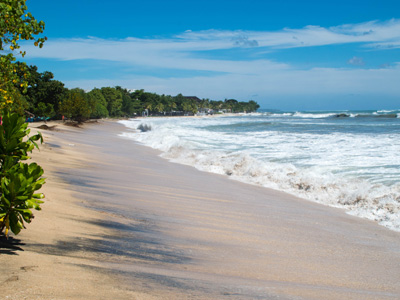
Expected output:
{"points": [[205, 111]]}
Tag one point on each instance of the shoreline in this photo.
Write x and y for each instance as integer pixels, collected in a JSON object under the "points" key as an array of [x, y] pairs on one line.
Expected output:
{"points": [[368, 193], [141, 227]]}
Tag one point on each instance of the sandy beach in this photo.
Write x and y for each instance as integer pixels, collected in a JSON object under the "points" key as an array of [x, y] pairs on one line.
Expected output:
{"points": [[119, 222]]}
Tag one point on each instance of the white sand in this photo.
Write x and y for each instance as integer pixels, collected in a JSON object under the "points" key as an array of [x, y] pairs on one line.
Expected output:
{"points": [[166, 231]]}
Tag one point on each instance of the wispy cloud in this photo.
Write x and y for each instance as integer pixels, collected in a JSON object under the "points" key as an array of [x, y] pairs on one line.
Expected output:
{"points": [[371, 33], [316, 83], [167, 53], [180, 48], [240, 74], [244, 41], [356, 61]]}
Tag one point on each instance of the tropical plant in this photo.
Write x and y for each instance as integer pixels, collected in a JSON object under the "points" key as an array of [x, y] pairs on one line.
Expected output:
{"points": [[19, 181], [148, 106], [159, 107], [16, 24], [171, 105]]}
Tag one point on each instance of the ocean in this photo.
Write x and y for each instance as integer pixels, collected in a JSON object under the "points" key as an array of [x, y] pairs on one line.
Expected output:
{"points": [[346, 159]]}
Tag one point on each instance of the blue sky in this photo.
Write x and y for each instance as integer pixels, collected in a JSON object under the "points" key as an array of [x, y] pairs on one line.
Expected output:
{"points": [[290, 55]]}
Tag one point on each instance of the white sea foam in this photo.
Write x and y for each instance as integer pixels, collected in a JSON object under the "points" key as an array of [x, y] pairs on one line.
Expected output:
{"points": [[347, 170], [384, 111], [313, 115]]}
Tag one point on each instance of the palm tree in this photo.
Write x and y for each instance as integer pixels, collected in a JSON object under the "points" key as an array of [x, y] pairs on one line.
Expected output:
{"points": [[159, 107], [186, 106], [171, 105], [148, 107]]}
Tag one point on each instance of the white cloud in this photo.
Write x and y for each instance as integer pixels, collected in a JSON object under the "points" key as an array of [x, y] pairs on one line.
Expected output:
{"points": [[240, 76], [178, 51], [244, 41], [368, 32], [270, 85], [395, 44], [356, 61], [150, 53]]}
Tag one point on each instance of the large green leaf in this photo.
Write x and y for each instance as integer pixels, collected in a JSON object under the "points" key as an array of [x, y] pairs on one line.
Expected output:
{"points": [[19, 181]]}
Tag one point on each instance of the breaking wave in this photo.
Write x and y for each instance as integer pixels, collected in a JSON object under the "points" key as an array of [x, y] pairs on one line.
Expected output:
{"points": [[322, 176]]}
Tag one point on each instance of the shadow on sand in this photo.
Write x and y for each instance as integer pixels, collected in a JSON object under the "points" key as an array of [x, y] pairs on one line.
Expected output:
{"points": [[10, 245], [130, 241]]}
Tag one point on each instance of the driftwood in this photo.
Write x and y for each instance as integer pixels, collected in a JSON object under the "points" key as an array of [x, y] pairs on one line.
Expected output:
{"points": [[45, 127]]}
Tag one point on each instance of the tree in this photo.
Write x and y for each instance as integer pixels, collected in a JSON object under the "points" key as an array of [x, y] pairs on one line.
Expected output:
{"points": [[97, 103], [230, 104], [170, 104], [17, 101], [16, 24], [179, 100], [76, 106], [204, 103], [129, 102], [148, 106], [253, 105], [136, 106], [43, 109], [216, 105], [18, 181], [44, 94], [189, 106], [114, 100], [159, 107]]}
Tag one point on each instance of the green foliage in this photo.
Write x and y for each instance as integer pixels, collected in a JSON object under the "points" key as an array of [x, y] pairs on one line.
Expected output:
{"points": [[16, 24], [23, 88], [114, 100], [170, 104], [79, 105], [44, 109], [179, 100], [44, 94], [46, 97], [76, 106], [97, 103], [159, 107], [18, 181], [189, 106]]}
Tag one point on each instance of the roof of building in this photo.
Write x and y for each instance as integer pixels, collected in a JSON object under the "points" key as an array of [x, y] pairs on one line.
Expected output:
{"points": [[197, 99]]}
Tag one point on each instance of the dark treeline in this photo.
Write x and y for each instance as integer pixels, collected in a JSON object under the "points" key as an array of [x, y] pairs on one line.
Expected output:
{"points": [[49, 98]]}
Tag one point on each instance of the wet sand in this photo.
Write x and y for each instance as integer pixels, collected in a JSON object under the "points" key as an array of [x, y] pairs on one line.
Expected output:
{"points": [[127, 224]]}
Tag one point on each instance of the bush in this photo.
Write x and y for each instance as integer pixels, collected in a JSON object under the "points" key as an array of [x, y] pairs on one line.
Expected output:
{"points": [[19, 181]]}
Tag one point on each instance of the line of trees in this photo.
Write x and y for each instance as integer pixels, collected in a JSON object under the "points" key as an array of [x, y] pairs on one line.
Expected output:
{"points": [[19, 180], [47, 97], [25, 91]]}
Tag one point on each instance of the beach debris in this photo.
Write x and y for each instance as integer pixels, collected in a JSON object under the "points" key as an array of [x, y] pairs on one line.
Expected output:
{"points": [[29, 268], [45, 127], [12, 278], [73, 124]]}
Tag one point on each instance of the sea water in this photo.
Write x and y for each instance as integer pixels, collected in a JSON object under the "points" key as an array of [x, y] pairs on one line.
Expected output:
{"points": [[345, 159]]}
